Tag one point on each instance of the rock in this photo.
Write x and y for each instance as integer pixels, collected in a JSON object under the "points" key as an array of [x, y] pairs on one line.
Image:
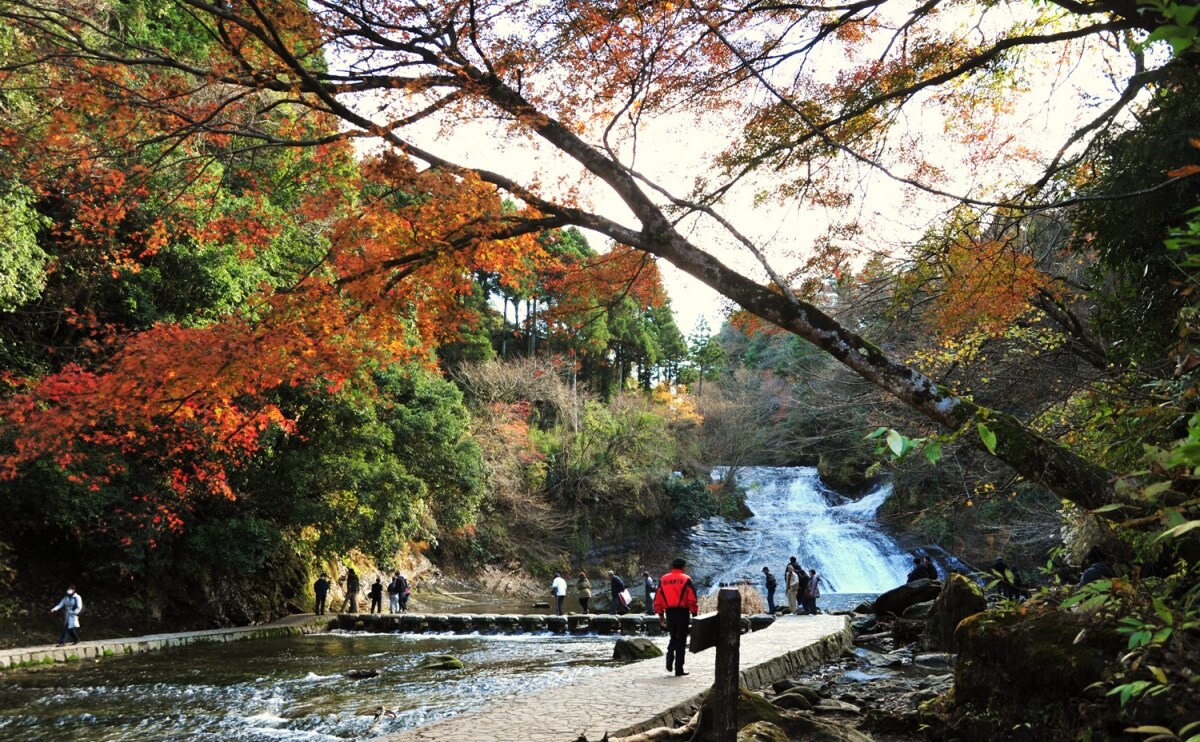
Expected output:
{"points": [[761, 731], [933, 659], [637, 648], [792, 700], [440, 662], [959, 598], [894, 601], [752, 707], [541, 604], [361, 674], [864, 608], [637, 605], [1021, 659], [864, 624], [832, 704], [798, 687], [812, 729], [885, 660], [918, 610]]}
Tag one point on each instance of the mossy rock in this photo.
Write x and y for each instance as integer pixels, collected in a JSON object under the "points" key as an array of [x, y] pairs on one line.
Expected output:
{"points": [[761, 731], [1026, 658], [960, 598], [752, 707], [638, 648], [440, 662]]}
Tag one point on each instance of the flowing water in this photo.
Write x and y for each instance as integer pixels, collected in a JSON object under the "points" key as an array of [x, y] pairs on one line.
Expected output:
{"points": [[296, 688], [292, 688], [796, 515]]}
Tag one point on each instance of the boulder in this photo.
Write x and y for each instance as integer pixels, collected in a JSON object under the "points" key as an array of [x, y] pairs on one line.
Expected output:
{"points": [[812, 729], [959, 598], [864, 624], [796, 687], [792, 700], [440, 662], [761, 731], [1023, 659], [894, 601], [752, 707], [918, 611], [636, 648]]}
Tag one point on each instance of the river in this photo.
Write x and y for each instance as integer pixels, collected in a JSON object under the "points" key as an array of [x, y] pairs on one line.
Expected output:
{"points": [[296, 688]]}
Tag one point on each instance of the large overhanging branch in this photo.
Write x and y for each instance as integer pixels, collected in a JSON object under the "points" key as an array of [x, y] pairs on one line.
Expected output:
{"points": [[1037, 458]]}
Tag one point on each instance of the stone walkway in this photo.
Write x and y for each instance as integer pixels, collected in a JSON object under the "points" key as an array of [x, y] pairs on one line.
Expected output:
{"points": [[49, 654], [640, 696]]}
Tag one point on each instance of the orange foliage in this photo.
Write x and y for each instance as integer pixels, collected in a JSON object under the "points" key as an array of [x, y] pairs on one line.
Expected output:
{"points": [[987, 286]]}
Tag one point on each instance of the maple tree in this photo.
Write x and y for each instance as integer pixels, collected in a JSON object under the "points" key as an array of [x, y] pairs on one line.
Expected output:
{"points": [[392, 71]]}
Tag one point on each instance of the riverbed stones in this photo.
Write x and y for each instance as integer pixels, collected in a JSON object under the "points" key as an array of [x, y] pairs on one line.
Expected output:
{"points": [[918, 611], [506, 624], [556, 624], [413, 622], [579, 624], [483, 623], [459, 624], [636, 648]]}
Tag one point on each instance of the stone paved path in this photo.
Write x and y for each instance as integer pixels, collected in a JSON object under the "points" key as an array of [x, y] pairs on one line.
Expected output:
{"points": [[47, 654], [633, 698]]}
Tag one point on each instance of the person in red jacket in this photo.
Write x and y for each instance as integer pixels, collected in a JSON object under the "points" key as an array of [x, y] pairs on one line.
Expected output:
{"points": [[675, 603]]}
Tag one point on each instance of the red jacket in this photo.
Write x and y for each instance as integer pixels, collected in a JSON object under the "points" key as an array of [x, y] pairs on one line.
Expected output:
{"points": [[675, 590]]}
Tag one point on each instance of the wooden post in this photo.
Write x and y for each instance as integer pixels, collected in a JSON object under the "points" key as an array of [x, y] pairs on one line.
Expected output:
{"points": [[725, 679]]}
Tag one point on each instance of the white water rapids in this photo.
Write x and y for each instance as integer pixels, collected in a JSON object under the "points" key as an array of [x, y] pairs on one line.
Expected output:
{"points": [[796, 515]]}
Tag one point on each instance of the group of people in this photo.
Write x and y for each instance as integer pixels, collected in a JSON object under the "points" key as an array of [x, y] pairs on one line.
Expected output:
{"points": [[802, 589], [397, 591], [619, 596], [923, 569]]}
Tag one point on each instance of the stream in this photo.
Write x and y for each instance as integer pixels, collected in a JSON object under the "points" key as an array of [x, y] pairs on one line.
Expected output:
{"points": [[296, 688]]}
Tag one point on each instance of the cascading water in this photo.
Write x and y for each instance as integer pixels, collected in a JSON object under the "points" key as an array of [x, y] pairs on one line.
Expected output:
{"points": [[796, 515]]}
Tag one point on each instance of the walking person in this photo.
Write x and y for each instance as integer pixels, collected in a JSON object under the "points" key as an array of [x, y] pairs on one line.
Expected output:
{"points": [[558, 588], [616, 586], [72, 605], [648, 583], [790, 585], [350, 604], [675, 603], [583, 586], [769, 580], [320, 592], [801, 586], [393, 591], [376, 595], [405, 589], [812, 591]]}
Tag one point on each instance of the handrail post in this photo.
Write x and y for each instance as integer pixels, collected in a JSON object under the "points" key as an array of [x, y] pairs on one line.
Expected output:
{"points": [[725, 678]]}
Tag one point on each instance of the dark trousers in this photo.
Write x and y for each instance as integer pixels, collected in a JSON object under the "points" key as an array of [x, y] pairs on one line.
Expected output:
{"points": [[583, 604], [678, 622], [320, 609], [376, 604], [771, 601], [559, 600], [72, 634]]}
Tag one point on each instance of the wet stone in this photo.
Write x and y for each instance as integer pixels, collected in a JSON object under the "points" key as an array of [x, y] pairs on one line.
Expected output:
{"points": [[438, 622], [412, 622], [556, 624], [460, 624], [631, 625], [606, 624], [483, 623], [533, 623]]}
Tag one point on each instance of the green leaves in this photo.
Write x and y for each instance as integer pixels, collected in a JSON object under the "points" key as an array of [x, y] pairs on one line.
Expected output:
{"points": [[987, 436], [1181, 32]]}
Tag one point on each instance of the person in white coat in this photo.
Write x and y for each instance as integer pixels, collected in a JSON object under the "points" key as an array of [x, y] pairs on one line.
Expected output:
{"points": [[72, 606], [559, 589]]}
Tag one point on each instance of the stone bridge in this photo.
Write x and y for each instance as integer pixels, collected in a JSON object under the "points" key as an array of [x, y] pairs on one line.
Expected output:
{"points": [[481, 623]]}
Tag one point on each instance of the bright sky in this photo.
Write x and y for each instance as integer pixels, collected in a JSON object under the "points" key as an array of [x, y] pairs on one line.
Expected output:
{"points": [[674, 150]]}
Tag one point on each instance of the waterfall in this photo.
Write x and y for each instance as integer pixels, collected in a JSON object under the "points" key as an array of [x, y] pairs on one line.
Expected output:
{"points": [[796, 515]]}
